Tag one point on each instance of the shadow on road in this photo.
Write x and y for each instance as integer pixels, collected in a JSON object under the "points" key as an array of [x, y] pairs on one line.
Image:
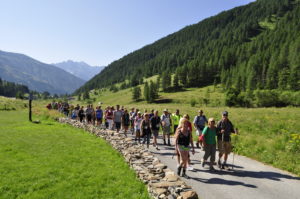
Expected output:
{"points": [[253, 174], [223, 182]]}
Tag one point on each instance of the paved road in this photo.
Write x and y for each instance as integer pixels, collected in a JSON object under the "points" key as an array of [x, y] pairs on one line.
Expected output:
{"points": [[249, 178]]}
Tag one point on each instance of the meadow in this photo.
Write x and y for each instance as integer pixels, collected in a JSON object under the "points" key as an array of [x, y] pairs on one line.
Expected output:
{"points": [[53, 160], [269, 135]]}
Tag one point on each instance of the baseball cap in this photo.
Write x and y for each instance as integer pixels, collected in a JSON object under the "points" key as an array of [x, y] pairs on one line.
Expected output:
{"points": [[225, 113]]}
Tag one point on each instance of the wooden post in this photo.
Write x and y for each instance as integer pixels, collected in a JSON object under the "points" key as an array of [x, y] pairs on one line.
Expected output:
{"points": [[30, 100]]}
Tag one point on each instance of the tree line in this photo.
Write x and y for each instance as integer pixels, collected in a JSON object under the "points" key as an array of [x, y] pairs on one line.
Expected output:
{"points": [[248, 48]]}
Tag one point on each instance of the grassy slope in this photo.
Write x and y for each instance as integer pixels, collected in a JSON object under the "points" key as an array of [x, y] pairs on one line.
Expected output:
{"points": [[52, 160], [266, 134]]}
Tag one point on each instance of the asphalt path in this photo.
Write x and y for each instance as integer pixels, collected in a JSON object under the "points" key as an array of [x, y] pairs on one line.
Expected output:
{"points": [[248, 178]]}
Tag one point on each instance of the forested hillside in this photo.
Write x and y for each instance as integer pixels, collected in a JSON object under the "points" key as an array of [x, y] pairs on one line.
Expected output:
{"points": [[10, 89], [256, 46]]}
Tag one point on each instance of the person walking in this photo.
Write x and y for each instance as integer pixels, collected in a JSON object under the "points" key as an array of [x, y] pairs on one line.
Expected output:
{"points": [[81, 114], [155, 124], [117, 118], [88, 113], [145, 129], [99, 115], [209, 143], [175, 120], [224, 130], [125, 121], [166, 123], [199, 123], [137, 127], [109, 118], [132, 115], [183, 139]]}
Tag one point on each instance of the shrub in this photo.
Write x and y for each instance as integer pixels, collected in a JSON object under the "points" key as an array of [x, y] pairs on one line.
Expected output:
{"points": [[193, 102]]}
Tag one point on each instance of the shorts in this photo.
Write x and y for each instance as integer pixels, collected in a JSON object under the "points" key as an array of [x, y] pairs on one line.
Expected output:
{"points": [[155, 133], [175, 128], [118, 125], [199, 131], [183, 148], [137, 131], [89, 118], [224, 147], [166, 130], [99, 119]]}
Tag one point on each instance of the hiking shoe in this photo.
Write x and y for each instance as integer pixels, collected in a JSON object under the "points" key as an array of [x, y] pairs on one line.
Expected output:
{"points": [[219, 164], [185, 176], [189, 168], [179, 170], [224, 166], [211, 168]]}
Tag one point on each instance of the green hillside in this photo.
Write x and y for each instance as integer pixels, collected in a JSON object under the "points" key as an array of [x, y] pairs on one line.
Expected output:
{"points": [[249, 47]]}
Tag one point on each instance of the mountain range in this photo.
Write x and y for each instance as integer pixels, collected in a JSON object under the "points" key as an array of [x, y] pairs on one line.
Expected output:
{"points": [[80, 69], [36, 75], [250, 47]]}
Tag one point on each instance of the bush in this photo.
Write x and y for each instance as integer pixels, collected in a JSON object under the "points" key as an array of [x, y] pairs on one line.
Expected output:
{"points": [[266, 98], [193, 102]]}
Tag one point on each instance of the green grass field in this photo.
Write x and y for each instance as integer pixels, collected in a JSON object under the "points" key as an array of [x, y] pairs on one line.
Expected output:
{"points": [[52, 160]]}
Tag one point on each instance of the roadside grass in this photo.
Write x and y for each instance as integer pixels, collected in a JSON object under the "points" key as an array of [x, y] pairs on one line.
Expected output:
{"points": [[11, 103], [52, 160]]}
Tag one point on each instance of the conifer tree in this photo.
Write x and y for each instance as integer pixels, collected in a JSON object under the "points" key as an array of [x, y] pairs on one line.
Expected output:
{"points": [[136, 93], [146, 92]]}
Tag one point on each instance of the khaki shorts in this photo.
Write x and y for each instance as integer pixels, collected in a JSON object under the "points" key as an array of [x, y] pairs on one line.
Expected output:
{"points": [[166, 130], [224, 147]]}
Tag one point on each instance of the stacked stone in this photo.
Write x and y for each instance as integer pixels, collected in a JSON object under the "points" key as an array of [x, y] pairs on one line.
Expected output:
{"points": [[162, 182]]}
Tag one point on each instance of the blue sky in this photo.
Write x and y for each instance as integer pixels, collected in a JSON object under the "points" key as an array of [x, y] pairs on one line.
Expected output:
{"points": [[96, 31]]}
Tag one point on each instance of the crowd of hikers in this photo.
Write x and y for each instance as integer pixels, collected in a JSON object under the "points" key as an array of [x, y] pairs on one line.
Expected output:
{"points": [[146, 125]]}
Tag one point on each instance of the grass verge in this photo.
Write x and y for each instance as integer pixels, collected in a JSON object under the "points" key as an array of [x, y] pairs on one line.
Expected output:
{"points": [[52, 160]]}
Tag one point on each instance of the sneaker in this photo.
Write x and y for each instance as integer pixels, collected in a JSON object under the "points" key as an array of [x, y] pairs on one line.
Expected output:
{"points": [[211, 168], [179, 170], [157, 148], [185, 176], [189, 168], [224, 165], [203, 163], [197, 145], [219, 164]]}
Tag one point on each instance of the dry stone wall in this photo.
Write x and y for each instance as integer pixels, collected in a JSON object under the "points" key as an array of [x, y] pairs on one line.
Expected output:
{"points": [[162, 182]]}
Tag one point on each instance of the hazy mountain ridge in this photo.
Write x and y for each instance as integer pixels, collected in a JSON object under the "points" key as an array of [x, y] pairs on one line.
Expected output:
{"points": [[19, 68], [80, 69]]}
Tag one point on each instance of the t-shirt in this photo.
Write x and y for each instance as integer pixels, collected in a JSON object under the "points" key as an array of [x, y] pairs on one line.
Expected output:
{"points": [[166, 119], [137, 122], [155, 123], [99, 113], [117, 116], [228, 127], [176, 119], [200, 121], [209, 135], [109, 114], [125, 119]]}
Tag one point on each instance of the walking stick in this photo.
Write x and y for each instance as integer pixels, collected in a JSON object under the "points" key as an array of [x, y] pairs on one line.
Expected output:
{"points": [[236, 132]]}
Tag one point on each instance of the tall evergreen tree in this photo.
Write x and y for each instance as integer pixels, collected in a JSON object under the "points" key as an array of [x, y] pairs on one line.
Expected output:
{"points": [[146, 92], [136, 93]]}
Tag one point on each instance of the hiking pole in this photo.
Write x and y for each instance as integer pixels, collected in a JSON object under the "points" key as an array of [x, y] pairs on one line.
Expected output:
{"points": [[236, 132]]}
